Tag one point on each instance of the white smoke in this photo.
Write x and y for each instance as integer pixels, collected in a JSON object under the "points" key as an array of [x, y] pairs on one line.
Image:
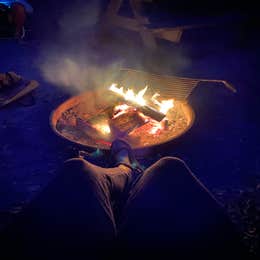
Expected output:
{"points": [[79, 59]]}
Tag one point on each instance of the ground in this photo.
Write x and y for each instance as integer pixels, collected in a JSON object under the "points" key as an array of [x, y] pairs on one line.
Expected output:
{"points": [[222, 148]]}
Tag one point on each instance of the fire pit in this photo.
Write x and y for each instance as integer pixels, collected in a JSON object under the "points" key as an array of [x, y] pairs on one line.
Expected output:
{"points": [[141, 116]]}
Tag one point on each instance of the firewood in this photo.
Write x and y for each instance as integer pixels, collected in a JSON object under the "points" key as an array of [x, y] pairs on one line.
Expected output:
{"points": [[146, 109], [125, 123], [91, 130]]}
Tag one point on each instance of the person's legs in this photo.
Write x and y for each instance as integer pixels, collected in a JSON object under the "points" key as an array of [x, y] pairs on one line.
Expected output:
{"points": [[72, 213], [169, 211]]}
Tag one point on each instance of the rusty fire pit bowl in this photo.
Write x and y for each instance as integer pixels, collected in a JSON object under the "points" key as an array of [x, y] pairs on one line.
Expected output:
{"points": [[64, 120]]}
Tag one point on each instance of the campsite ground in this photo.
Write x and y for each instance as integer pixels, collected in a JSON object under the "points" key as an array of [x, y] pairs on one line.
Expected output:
{"points": [[222, 148]]}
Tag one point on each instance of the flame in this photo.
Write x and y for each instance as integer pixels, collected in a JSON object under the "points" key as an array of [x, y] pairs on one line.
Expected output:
{"points": [[122, 109], [130, 95], [103, 128], [163, 106], [157, 127]]}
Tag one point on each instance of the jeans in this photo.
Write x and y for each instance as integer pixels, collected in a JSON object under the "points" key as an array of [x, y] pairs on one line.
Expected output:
{"points": [[89, 210]]}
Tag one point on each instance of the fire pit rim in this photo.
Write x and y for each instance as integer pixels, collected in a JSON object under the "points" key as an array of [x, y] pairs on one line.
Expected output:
{"points": [[78, 97]]}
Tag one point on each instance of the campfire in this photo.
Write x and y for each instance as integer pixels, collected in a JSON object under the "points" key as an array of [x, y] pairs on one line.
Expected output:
{"points": [[154, 111], [141, 121], [128, 115]]}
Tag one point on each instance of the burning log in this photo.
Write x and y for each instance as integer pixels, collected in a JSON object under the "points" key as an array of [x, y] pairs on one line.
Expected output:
{"points": [[126, 122], [92, 131], [145, 109], [106, 127], [151, 112]]}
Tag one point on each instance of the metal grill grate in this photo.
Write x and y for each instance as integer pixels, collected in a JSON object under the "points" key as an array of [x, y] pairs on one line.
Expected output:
{"points": [[168, 86]]}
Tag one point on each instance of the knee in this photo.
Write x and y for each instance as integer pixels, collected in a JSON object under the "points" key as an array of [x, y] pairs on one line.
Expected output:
{"points": [[76, 167], [77, 163], [173, 165], [172, 162]]}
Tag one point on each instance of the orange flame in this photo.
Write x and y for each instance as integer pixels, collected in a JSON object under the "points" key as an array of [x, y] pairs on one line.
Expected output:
{"points": [[130, 95], [163, 106]]}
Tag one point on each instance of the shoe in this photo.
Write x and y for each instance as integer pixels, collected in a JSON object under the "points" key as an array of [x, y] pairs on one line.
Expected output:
{"points": [[13, 87], [9, 79], [121, 153]]}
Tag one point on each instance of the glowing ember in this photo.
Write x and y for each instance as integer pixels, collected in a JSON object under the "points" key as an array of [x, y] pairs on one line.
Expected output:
{"points": [[163, 106], [157, 127], [103, 128], [122, 109]]}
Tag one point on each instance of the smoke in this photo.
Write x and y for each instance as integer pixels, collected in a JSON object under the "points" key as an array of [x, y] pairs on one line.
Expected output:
{"points": [[75, 75], [77, 58], [65, 72], [71, 59]]}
